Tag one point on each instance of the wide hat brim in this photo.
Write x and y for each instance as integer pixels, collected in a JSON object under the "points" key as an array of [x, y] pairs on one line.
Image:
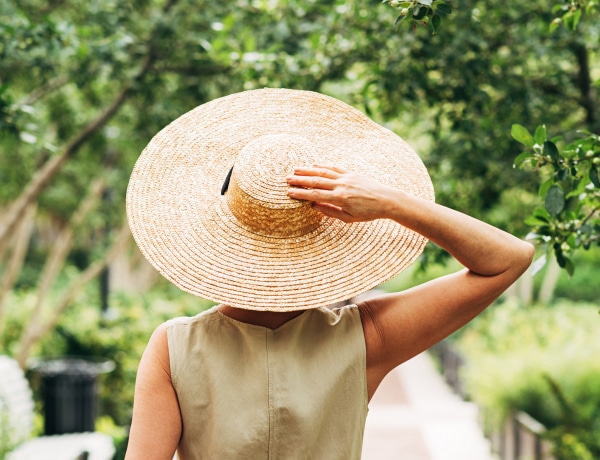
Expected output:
{"points": [[183, 226]]}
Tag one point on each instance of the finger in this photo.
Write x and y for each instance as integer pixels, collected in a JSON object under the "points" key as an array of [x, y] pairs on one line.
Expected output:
{"points": [[316, 171], [314, 182], [334, 168], [333, 211], [308, 194]]}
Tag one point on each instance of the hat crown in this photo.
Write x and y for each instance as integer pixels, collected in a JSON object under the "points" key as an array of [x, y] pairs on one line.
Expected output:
{"points": [[257, 194]]}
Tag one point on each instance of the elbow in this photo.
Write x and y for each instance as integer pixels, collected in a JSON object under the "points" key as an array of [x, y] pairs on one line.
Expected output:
{"points": [[523, 257]]}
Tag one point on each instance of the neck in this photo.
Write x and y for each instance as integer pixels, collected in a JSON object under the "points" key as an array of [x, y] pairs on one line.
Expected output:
{"points": [[268, 319]]}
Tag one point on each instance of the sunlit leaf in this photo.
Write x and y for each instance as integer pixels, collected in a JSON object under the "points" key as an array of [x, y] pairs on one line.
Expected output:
{"points": [[522, 135], [544, 187], [522, 158], [540, 135], [542, 213]]}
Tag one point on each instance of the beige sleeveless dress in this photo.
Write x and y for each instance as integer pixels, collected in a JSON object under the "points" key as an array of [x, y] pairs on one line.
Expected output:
{"points": [[249, 392]]}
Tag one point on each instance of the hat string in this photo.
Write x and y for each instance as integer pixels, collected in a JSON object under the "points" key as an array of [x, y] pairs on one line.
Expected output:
{"points": [[226, 183]]}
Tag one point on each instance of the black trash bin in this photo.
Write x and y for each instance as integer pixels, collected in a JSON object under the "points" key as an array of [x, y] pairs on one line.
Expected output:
{"points": [[69, 391]]}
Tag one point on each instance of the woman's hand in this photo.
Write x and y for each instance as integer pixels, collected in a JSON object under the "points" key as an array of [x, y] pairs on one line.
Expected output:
{"points": [[339, 193]]}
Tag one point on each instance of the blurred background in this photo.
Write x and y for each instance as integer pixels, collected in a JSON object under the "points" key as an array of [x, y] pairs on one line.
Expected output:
{"points": [[474, 86]]}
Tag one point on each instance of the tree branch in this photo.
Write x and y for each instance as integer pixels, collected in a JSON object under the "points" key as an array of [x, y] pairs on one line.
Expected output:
{"points": [[58, 254], [40, 92], [41, 179], [17, 257], [65, 300]]}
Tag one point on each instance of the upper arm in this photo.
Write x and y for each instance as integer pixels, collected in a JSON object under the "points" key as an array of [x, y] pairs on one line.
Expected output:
{"points": [[156, 425], [401, 325]]}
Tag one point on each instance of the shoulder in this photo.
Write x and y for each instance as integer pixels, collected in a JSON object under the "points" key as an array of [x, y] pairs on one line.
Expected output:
{"points": [[167, 335], [156, 355], [337, 315]]}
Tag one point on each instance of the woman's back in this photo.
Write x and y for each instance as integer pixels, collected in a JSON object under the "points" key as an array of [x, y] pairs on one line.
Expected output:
{"points": [[246, 391]]}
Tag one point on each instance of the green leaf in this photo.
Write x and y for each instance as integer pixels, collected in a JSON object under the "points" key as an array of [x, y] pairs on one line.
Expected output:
{"points": [[419, 12], [555, 200], [541, 213], [540, 135], [569, 266], [544, 187], [398, 20], [576, 18], [563, 261], [562, 174], [522, 158], [436, 21], [522, 135], [551, 150], [443, 9], [594, 176], [426, 2], [533, 221]]}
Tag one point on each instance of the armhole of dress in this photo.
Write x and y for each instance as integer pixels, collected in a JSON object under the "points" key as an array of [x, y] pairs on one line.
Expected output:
{"points": [[363, 352], [171, 350]]}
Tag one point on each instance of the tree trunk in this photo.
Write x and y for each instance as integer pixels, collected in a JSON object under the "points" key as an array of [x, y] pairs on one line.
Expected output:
{"points": [[38, 330], [548, 286], [585, 85], [17, 257], [43, 177], [58, 254]]}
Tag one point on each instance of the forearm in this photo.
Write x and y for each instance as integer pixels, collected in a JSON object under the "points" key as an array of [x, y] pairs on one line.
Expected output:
{"points": [[483, 249], [480, 247]]}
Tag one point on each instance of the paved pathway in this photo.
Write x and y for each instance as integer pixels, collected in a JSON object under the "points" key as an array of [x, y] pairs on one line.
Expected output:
{"points": [[415, 416]]}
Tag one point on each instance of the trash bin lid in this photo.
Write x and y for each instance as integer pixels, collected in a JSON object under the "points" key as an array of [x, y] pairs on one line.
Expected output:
{"points": [[71, 365]]}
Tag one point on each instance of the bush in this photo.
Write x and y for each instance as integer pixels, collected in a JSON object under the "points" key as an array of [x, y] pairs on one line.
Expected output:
{"points": [[543, 361], [121, 334], [583, 285]]}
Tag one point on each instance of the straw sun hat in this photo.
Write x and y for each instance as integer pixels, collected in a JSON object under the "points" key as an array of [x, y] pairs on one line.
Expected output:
{"points": [[254, 247]]}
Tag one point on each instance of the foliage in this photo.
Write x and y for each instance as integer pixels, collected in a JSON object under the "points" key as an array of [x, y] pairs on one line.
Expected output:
{"points": [[541, 361], [421, 12], [570, 11], [584, 286], [120, 334], [84, 86], [570, 218]]}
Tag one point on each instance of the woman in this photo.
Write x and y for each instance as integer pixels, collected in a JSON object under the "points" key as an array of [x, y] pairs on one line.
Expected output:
{"points": [[316, 204]]}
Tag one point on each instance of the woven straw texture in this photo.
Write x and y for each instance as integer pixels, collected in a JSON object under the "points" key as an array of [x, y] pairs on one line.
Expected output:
{"points": [[254, 247]]}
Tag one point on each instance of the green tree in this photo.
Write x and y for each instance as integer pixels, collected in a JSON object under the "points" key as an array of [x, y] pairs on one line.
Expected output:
{"points": [[83, 87], [559, 62]]}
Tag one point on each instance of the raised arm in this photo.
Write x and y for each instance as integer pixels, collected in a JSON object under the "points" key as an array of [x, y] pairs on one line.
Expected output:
{"points": [[398, 326]]}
